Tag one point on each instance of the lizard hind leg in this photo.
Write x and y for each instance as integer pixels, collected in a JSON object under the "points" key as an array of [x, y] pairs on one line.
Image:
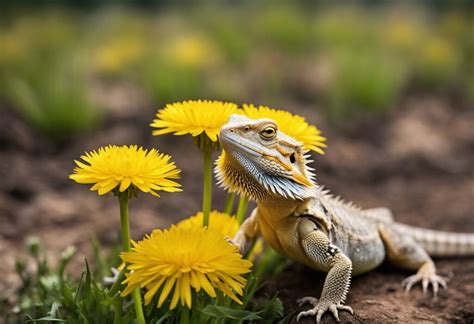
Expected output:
{"points": [[405, 252]]}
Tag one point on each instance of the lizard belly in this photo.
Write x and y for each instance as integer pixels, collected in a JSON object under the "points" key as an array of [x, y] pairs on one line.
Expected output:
{"points": [[283, 239]]}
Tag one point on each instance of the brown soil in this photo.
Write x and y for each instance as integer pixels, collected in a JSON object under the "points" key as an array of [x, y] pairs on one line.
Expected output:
{"points": [[417, 161]]}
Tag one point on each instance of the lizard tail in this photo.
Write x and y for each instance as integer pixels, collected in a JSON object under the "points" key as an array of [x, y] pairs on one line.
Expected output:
{"points": [[439, 243]]}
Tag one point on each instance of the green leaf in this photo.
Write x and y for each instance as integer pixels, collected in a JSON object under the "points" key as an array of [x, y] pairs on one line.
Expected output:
{"points": [[48, 319], [221, 312], [52, 315], [272, 310], [250, 289], [162, 319]]}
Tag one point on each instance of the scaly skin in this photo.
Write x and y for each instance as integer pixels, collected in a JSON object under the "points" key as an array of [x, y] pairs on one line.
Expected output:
{"points": [[305, 223]]}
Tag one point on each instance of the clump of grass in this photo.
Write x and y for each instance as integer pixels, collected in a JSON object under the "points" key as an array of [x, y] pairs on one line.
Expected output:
{"points": [[364, 82], [49, 294], [44, 75], [229, 35], [437, 63], [179, 67], [284, 29], [55, 102]]}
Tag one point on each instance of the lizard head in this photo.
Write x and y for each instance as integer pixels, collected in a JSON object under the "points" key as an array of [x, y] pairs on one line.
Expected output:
{"points": [[261, 162]]}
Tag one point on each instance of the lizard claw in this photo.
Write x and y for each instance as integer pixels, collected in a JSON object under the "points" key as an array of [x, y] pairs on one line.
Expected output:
{"points": [[426, 275], [426, 279], [321, 308], [232, 242]]}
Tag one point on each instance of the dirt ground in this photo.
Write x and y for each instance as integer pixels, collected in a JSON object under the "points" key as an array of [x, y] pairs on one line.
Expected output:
{"points": [[418, 161]]}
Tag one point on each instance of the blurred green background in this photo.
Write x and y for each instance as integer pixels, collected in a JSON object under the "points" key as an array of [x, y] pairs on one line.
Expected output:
{"points": [[57, 59]]}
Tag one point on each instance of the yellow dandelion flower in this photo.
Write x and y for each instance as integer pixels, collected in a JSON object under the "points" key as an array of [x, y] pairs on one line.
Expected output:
{"points": [[193, 117], [186, 259], [290, 124], [121, 167], [221, 222]]}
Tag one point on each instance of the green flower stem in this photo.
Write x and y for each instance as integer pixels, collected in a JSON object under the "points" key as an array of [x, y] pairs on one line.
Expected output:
{"points": [[207, 187], [184, 318], [118, 311], [242, 208], [250, 250], [229, 203], [268, 255], [123, 200]]}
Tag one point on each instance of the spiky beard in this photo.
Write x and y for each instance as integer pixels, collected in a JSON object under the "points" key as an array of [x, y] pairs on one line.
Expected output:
{"points": [[238, 174]]}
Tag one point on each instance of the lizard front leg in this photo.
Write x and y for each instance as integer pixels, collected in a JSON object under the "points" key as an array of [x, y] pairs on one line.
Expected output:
{"points": [[406, 253], [326, 257], [247, 231]]}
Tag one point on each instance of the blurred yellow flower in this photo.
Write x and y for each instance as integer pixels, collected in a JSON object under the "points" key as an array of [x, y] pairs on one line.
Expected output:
{"points": [[290, 124], [221, 222], [193, 117], [438, 52], [191, 51], [401, 32], [117, 54], [120, 167], [185, 258], [10, 46]]}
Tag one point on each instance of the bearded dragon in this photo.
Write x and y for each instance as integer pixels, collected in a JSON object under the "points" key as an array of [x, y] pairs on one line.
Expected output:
{"points": [[303, 221]]}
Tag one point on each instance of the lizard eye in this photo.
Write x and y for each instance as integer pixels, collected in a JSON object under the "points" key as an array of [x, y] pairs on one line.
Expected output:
{"points": [[268, 133], [246, 128], [292, 158]]}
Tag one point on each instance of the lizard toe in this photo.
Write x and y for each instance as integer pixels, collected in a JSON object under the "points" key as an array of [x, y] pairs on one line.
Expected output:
{"points": [[334, 312], [410, 281], [424, 285], [310, 312], [321, 308], [436, 282], [319, 315]]}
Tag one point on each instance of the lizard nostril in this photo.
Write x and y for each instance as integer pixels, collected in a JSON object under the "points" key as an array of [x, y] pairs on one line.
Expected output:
{"points": [[231, 130]]}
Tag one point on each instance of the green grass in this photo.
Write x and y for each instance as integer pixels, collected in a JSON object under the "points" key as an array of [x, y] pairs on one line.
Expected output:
{"points": [[228, 53], [365, 81], [55, 102], [49, 294]]}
